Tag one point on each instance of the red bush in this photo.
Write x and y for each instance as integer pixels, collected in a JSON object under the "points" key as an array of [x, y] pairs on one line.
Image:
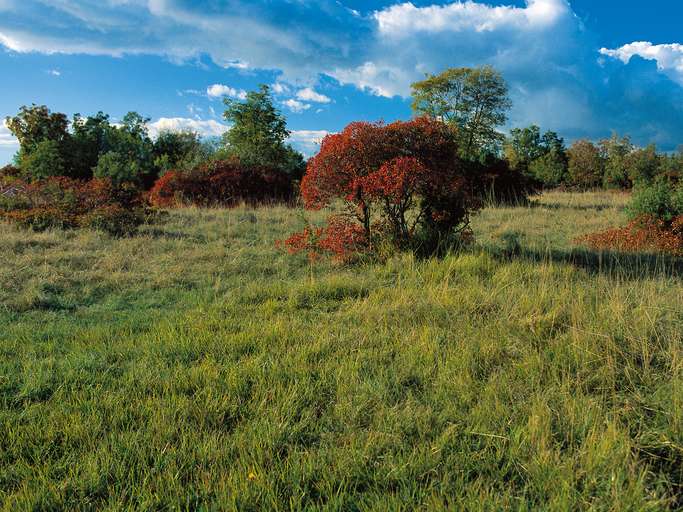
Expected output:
{"points": [[61, 202], [646, 233], [395, 180], [221, 183]]}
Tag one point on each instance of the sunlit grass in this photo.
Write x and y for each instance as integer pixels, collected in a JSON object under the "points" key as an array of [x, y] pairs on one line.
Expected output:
{"points": [[195, 366]]}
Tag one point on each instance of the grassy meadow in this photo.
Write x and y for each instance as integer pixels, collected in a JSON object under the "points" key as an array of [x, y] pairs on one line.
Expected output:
{"points": [[197, 367]]}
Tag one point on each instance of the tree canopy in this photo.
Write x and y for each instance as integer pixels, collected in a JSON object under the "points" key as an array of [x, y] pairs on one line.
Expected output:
{"points": [[473, 101]]}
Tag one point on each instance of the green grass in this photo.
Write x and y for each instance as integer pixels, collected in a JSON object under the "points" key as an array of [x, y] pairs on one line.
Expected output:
{"points": [[196, 367]]}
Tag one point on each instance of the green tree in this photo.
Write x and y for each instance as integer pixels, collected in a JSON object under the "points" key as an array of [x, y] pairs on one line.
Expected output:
{"points": [[258, 133], [473, 101], [47, 133], [43, 161], [180, 150], [586, 165], [616, 152], [90, 139], [542, 157], [642, 165]]}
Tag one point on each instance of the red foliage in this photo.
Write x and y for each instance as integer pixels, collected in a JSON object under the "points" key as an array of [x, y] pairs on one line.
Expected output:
{"points": [[62, 202], [221, 183], [646, 234], [341, 239], [387, 173]]}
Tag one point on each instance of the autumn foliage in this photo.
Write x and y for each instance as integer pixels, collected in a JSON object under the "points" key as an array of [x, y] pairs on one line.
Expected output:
{"points": [[67, 203], [221, 183], [644, 234], [402, 182]]}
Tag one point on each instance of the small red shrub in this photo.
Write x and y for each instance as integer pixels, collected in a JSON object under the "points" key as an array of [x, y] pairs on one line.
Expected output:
{"points": [[221, 183], [645, 233]]}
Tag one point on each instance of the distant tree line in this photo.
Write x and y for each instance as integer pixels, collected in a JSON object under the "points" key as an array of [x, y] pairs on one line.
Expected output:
{"points": [[95, 147]]}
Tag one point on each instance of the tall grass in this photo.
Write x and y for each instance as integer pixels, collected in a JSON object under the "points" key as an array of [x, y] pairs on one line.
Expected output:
{"points": [[196, 367]]}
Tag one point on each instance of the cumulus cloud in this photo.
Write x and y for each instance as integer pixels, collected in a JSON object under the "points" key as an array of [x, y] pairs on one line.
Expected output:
{"points": [[309, 94], [220, 90], [7, 140], [205, 128], [404, 20], [669, 57], [296, 106]]}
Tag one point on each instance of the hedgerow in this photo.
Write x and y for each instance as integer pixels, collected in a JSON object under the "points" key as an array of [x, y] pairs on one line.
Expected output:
{"points": [[222, 183], [66, 203]]}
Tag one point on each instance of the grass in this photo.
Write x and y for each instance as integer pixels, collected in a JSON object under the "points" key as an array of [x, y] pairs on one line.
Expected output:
{"points": [[196, 367]]}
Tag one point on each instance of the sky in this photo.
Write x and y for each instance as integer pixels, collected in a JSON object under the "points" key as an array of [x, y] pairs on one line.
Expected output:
{"points": [[583, 68]]}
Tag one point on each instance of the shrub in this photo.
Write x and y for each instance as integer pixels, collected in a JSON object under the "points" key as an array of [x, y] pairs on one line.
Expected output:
{"points": [[645, 233], [660, 200], [656, 225], [66, 203], [402, 183], [221, 183]]}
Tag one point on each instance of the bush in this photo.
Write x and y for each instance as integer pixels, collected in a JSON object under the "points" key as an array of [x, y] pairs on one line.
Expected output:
{"points": [[221, 183], [65, 203], [401, 183], [660, 200], [656, 225]]}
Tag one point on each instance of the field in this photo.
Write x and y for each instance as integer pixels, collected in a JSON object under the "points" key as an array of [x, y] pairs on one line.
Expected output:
{"points": [[197, 367]]}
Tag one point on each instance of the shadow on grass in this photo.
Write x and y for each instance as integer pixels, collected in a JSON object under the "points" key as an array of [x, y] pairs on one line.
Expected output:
{"points": [[170, 235], [626, 265], [577, 207]]}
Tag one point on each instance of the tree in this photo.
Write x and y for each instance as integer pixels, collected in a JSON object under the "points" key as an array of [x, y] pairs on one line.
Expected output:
{"points": [[586, 165], [43, 161], [542, 158], [258, 133], [90, 139], [616, 152], [47, 133], [118, 168], [473, 101], [181, 150], [643, 165]]}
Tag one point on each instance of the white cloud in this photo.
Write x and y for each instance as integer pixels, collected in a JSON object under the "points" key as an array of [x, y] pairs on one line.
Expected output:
{"points": [[205, 128], [309, 94], [296, 106], [7, 140], [307, 141], [383, 80], [54, 72], [220, 90], [669, 57], [280, 88], [404, 20]]}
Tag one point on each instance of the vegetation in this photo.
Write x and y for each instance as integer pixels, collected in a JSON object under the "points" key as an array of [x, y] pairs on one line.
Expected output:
{"points": [[219, 372], [193, 364], [401, 185], [258, 133], [473, 101]]}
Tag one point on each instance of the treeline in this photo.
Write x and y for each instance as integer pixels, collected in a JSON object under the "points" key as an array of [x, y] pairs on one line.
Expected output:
{"points": [[614, 163], [95, 147]]}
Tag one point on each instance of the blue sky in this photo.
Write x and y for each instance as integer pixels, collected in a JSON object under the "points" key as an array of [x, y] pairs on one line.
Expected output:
{"points": [[584, 68]]}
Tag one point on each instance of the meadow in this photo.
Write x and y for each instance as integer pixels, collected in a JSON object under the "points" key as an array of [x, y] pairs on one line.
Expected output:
{"points": [[195, 366]]}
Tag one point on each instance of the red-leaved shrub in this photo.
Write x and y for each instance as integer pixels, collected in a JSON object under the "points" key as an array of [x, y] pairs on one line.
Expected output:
{"points": [[64, 203], [221, 183], [402, 182], [644, 234]]}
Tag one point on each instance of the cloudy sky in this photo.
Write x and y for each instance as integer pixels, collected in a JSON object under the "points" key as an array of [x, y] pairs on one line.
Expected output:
{"points": [[584, 68]]}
